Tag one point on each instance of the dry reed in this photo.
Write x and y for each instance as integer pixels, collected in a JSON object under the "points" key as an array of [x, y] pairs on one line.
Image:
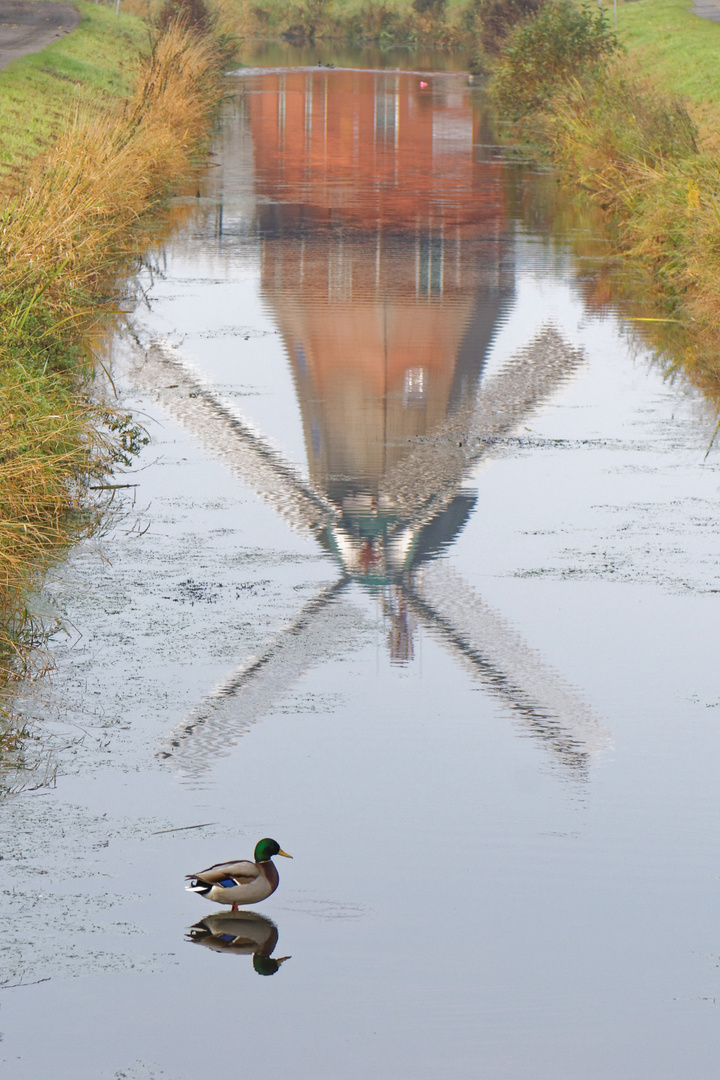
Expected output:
{"points": [[635, 153]]}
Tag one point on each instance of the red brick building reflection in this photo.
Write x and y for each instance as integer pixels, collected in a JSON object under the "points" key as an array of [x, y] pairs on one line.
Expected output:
{"points": [[382, 256]]}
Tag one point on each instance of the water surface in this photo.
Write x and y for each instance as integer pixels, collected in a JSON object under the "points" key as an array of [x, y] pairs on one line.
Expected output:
{"points": [[420, 577]]}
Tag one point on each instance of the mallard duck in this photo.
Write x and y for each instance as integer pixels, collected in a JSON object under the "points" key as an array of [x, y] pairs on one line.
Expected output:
{"points": [[241, 882], [245, 933]]}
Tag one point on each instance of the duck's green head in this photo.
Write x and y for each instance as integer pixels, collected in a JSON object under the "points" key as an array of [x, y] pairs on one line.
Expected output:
{"points": [[268, 965], [265, 849]]}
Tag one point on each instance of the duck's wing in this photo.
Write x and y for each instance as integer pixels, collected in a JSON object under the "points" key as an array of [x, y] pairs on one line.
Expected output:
{"points": [[241, 872]]}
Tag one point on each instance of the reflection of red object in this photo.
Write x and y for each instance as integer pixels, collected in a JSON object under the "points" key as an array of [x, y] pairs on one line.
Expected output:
{"points": [[423, 85], [368, 557]]}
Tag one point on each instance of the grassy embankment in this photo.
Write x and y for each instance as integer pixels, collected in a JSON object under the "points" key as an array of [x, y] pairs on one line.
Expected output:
{"points": [[122, 130], [646, 156], [96, 64], [679, 52]]}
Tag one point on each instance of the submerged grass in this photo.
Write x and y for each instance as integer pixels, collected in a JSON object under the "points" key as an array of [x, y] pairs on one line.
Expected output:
{"points": [[65, 241], [439, 23]]}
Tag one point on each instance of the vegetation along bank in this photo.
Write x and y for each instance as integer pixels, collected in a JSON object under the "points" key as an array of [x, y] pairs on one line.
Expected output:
{"points": [[589, 99], [96, 131]]}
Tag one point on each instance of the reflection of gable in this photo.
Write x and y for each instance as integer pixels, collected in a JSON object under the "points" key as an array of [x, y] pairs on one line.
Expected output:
{"points": [[383, 341], [373, 377]]}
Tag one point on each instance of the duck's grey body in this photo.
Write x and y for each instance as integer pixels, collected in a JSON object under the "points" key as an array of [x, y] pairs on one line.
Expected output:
{"points": [[245, 933], [240, 882]]}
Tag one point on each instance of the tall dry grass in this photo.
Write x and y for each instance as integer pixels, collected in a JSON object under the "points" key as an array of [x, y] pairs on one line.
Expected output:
{"points": [[635, 152], [65, 242], [107, 172]]}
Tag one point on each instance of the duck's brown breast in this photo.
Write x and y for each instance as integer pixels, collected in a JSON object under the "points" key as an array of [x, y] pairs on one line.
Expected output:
{"points": [[270, 871]]}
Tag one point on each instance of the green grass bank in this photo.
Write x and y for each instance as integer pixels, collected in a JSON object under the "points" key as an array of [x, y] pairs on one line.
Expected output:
{"points": [[674, 48], [95, 65]]}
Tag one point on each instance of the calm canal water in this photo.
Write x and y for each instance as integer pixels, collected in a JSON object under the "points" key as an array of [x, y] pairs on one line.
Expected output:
{"points": [[421, 577]]}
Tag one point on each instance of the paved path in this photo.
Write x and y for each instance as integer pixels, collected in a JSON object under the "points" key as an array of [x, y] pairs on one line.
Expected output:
{"points": [[707, 9], [26, 26]]}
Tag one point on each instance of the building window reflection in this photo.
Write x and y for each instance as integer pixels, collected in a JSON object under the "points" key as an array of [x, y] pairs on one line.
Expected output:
{"points": [[386, 114], [430, 265], [415, 386]]}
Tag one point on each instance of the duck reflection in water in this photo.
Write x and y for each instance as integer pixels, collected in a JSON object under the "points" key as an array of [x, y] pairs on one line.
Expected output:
{"points": [[244, 933], [386, 258]]}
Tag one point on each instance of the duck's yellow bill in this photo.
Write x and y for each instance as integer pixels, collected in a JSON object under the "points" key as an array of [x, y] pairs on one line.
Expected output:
{"points": [[281, 852]]}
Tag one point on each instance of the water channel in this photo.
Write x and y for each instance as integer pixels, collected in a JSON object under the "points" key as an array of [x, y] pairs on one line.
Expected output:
{"points": [[420, 575]]}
